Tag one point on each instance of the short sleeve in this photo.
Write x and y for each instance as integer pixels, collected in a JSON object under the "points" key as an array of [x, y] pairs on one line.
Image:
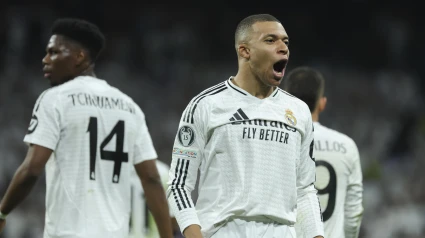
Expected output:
{"points": [[143, 147], [45, 125]]}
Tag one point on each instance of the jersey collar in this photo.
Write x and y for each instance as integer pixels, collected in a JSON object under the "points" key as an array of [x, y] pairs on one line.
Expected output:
{"points": [[239, 90]]}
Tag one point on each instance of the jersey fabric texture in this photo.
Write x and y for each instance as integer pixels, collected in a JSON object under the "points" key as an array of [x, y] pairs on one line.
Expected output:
{"points": [[97, 134], [242, 228], [339, 182], [142, 224], [255, 158]]}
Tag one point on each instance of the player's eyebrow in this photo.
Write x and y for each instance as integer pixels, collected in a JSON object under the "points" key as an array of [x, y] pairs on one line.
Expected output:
{"points": [[276, 36]]}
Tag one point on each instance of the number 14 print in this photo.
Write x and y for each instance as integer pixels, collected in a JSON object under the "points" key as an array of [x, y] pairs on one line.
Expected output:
{"points": [[117, 156]]}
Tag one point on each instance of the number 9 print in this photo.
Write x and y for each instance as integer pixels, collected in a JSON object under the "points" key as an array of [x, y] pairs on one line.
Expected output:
{"points": [[329, 189]]}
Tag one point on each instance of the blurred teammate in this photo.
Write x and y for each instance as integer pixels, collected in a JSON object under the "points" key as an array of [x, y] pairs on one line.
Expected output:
{"points": [[339, 174], [88, 135], [252, 143], [142, 223]]}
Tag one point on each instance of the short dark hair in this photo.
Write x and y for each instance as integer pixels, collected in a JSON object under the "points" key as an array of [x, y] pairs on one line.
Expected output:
{"points": [[245, 25], [306, 84], [85, 33]]}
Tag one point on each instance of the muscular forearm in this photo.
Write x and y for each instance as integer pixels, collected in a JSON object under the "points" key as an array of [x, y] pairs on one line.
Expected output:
{"points": [[22, 183], [157, 203]]}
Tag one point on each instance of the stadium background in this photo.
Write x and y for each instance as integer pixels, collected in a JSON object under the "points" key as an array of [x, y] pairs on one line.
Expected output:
{"points": [[372, 55]]}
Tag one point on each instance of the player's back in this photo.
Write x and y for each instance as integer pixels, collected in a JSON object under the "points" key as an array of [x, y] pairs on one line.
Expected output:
{"points": [[338, 180], [88, 177]]}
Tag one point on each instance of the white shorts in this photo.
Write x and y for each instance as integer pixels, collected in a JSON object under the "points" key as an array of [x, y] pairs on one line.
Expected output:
{"points": [[241, 228]]}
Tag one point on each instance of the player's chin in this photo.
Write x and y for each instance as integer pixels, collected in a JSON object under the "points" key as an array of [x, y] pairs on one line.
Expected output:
{"points": [[53, 82], [273, 82], [277, 78]]}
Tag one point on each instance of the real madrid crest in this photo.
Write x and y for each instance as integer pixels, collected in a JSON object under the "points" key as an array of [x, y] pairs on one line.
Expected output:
{"points": [[290, 118], [186, 136]]}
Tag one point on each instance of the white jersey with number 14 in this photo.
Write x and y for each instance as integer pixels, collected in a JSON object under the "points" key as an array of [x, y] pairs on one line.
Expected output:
{"points": [[97, 133]]}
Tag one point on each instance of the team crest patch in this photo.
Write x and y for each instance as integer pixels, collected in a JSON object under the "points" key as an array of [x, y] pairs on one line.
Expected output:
{"points": [[290, 118], [186, 153], [186, 136]]}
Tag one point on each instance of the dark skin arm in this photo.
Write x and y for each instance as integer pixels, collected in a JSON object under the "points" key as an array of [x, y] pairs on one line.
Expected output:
{"points": [[155, 196], [25, 178], [175, 225]]}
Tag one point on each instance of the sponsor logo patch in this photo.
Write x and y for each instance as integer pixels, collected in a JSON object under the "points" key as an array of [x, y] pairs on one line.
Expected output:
{"points": [[186, 153]]}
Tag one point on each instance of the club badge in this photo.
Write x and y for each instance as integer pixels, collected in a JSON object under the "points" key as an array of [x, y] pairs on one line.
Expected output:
{"points": [[290, 118]]}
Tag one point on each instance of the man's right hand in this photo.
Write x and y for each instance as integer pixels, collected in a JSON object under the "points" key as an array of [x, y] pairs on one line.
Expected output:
{"points": [[192, 231]]}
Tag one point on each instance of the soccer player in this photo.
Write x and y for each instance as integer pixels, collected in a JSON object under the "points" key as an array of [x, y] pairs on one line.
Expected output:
{"points": [[339, 174], [142, 223], [253, 145], [88, 135]]}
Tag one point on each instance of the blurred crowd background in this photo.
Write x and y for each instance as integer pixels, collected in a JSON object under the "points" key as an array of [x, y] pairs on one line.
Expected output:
{"points": [[372, 56]]}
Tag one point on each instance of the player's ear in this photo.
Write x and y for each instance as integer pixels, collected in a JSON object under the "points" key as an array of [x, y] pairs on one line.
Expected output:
{"points": [[81, 57], [243, 51], [322, 103]]}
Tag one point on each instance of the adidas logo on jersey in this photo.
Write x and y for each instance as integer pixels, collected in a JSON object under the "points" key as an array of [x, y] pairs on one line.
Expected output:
{"points": [[239, 116]]}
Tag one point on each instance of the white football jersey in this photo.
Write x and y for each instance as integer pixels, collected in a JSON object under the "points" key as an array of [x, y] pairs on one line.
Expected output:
{"points": [[254, 156], [142, 223], [339, 182], [97, 134]]}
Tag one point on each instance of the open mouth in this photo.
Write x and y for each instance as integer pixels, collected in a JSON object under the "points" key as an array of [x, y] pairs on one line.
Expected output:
{"points": [[47, 74], [280, 65]]}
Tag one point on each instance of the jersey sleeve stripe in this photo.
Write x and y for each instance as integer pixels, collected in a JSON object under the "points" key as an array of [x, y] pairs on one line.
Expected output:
{"points": [[179, 188], [320, 209], [213, 93], [173, 184], [184, 181], [180, 196], [199, 98], [205, 92], [186, 114], [283, 91]]}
